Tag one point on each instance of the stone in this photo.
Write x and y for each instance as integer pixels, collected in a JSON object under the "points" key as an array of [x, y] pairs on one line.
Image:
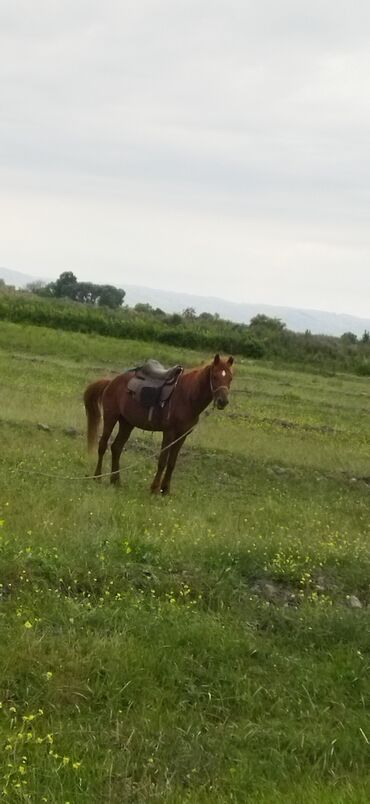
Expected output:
{"points": [[44, 427], [267, 589], [321, 584], [353, 602], [71, 431]]}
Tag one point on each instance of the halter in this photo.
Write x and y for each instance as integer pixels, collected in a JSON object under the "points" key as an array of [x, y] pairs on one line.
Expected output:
{"points": [[219, 387]]}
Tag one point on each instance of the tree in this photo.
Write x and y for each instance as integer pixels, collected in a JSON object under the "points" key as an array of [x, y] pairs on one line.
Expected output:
{"points": [[65, 286], [366, 337], [189, 313], [206, 317], [349, 337], [110, 296], [143, 307], [266, 324], [86, 293], [36, 286], [175, 319], [5, 287]]}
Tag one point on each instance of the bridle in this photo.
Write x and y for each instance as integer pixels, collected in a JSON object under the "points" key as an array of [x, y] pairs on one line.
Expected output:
{"points": [[219, 387]]}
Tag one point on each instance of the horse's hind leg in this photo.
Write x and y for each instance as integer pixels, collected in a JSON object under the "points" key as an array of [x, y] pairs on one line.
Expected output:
{"points": [[109, 422], [124, 432], [162, 463]]}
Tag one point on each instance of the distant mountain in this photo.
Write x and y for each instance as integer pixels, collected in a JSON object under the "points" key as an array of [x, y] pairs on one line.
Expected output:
{"points": [[16, 278], [298, 320]]}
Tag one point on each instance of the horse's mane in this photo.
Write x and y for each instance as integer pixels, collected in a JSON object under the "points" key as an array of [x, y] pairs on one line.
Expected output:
{"points": [[196, 369]]}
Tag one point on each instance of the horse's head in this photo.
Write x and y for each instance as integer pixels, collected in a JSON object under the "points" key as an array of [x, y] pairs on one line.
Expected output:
{"points": [[221, 374]]}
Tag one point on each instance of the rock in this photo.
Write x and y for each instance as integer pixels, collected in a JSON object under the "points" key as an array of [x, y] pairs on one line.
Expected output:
{"points": [[353, 602], [277, 593], [71, 431], [267, 589], [270, 591], [291, 601], [44, 427], [321, 584]]}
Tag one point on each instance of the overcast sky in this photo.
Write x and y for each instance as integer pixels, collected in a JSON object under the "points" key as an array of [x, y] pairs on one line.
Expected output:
{"points": [[217, 147]]}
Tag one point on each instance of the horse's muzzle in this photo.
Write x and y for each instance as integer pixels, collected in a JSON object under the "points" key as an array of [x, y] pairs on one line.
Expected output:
{"points": [[221, 402]]}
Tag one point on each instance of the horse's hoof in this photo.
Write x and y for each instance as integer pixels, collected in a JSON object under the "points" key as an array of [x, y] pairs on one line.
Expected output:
{"points": [[155, 490], [165, 490]]}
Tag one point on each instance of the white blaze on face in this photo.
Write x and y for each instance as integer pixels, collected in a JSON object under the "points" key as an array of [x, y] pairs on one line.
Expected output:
{"points": [[223, 373]]}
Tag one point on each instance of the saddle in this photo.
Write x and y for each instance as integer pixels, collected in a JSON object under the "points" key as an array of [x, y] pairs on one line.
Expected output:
{"points": [[152, 384]]}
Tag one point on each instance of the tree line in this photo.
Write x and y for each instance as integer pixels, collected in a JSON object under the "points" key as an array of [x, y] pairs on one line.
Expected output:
{"points": [[84, 307], [68, 287]]}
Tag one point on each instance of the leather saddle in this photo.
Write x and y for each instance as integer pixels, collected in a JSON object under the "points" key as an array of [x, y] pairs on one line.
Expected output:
{"points": [[153, 384]]}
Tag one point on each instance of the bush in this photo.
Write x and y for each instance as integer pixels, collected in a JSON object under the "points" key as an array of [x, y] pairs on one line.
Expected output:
{"points": [[258, 340]]}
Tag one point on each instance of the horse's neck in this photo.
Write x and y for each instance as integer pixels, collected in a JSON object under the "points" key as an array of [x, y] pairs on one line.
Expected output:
{"points": [[200, 390]]}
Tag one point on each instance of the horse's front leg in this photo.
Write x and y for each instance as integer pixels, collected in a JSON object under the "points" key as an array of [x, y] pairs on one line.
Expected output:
{"points": [[162, 462], [172, 458]]}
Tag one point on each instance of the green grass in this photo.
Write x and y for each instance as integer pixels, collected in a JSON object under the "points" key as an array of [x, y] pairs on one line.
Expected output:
{"points": [[143, 656]]}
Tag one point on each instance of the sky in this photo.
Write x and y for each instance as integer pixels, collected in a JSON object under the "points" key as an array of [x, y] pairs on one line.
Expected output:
{"points": [[218, 147]]}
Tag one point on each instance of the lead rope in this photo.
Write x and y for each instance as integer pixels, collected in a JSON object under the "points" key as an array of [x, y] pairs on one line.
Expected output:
{"points": [[126, 468], [103, 474]]}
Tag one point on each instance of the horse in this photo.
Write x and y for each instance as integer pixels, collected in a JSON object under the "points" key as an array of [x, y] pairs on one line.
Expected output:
{"points": [[193, 391]]}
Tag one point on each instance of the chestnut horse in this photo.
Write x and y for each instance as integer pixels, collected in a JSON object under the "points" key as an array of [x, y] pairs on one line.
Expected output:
{"points": [[194, 391]]}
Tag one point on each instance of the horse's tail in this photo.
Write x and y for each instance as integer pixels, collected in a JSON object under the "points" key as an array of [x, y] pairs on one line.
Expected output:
{"points": [[92, 399]]}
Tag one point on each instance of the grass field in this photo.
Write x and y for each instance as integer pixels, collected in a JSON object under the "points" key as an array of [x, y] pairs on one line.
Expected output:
{"points": [[205, 647]]}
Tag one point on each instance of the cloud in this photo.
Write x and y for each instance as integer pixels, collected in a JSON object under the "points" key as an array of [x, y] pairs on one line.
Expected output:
{"points": [[190, 142]]}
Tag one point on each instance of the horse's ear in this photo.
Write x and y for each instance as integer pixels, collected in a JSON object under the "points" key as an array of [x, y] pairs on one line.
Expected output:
{"points": [[230, 361], [216, 359]]}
